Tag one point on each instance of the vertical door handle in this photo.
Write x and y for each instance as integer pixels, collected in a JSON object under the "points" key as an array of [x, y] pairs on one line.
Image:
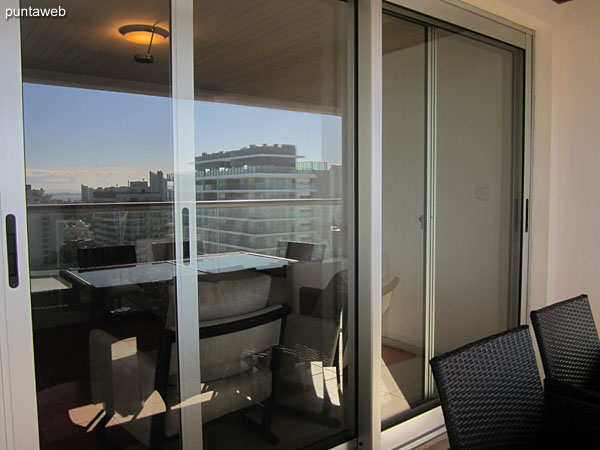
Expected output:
{"points": [[11, 251], [526, 215], [185, 220]]}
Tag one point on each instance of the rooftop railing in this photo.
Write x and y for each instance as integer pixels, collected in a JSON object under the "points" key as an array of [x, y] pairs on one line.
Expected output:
{"points": [[202, 173]]}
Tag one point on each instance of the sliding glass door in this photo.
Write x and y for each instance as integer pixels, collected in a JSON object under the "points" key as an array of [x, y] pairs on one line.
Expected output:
{"points": [[189, 173], [101, 168], [477, 193], [404, 209], [452, 198], [273, 162]]}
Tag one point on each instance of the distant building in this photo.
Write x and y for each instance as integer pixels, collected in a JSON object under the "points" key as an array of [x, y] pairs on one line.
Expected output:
{"points": [[130, 225], [312, 165], [336, 181], [71, 235], [328, 185], [254, 173], [135, 191], [37, 196], [42, 244], [86, 194], [158, 185]]}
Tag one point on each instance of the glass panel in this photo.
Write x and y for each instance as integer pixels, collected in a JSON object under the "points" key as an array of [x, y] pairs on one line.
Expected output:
{"points": [[403, 333], [273, 166], [478, 189], [472, 186], [99, 171]]}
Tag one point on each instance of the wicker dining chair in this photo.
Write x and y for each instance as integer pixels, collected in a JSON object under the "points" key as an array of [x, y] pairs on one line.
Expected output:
{"points": [[570, 351], [568, 342], [491, 393]]}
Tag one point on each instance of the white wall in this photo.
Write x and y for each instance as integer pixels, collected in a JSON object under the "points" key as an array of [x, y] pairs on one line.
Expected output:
{"points": [[473, 190], [576, 236], [403, 191], [566, 190]]}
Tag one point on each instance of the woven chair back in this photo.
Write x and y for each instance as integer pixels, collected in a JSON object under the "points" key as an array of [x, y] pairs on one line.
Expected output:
{"points": [[568, 342], [491, 393]]}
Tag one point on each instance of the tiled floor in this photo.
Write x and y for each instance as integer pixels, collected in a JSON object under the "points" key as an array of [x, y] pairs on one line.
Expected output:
{"points": [[439, 443]]}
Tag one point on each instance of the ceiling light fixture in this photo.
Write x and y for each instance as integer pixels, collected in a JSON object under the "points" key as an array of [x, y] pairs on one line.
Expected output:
{"points": [[144, 34]]}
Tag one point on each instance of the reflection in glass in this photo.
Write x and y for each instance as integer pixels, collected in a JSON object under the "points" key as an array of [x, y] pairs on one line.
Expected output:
{"points": [[404, 76], [273, 254], [271, 123], [478, 189], [99, 173], [452, 190]]}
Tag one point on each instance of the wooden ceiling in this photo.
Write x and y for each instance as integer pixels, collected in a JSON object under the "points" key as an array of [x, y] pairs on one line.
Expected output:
{"points": [[278, 53], [400, 33], [85, 48], [287, 53]]}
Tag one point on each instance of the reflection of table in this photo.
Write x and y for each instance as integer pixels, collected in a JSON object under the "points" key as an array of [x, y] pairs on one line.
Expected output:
{"points": [[161, 271], [123, 280], [232, 262], [115, 276], [47, 284]]}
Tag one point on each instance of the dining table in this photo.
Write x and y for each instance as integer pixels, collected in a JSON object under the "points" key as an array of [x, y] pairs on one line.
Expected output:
{"points": [[141, 283]]}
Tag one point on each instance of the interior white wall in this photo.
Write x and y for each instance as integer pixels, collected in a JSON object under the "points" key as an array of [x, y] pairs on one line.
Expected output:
{"points": [[403, 188], [566, 217], [473, 190], [577, 197]]}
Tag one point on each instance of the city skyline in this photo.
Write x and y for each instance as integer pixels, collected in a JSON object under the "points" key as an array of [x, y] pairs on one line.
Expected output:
{"points": [[119, 130], [249, 173]]}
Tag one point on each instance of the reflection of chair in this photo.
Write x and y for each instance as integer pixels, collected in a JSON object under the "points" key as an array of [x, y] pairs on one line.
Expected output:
{"points": [[106, 256], [311, 358], [237, 332], [387, 290], [165, 251], [100, 257], [491, 393], [305, 251]]}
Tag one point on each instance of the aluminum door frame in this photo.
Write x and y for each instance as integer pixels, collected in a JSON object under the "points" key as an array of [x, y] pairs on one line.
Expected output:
{"points": [[369, 232], [19, 402], [188, 335]]}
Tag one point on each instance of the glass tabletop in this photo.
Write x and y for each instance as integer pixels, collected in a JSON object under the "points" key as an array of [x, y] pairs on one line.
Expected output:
{"points": [[161, 271], [112, 276], [232, 262]]}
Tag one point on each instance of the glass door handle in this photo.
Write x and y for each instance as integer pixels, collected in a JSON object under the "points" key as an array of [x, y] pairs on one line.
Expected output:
{"points": [[11, 251]]}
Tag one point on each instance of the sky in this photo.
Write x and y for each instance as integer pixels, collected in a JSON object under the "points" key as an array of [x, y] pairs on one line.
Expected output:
{"points": [[77, 136]]}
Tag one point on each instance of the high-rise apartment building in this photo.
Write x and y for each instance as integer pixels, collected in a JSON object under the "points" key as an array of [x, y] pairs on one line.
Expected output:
{"points": [[267, 172]]}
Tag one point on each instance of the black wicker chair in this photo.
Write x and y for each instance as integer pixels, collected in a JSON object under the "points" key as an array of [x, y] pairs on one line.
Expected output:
{"points": [[570, 352], [568, 342], [491, 393]]}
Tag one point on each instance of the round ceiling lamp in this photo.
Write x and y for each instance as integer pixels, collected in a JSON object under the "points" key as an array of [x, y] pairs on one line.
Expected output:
{"points": [[142, 34], [146, 35]]}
